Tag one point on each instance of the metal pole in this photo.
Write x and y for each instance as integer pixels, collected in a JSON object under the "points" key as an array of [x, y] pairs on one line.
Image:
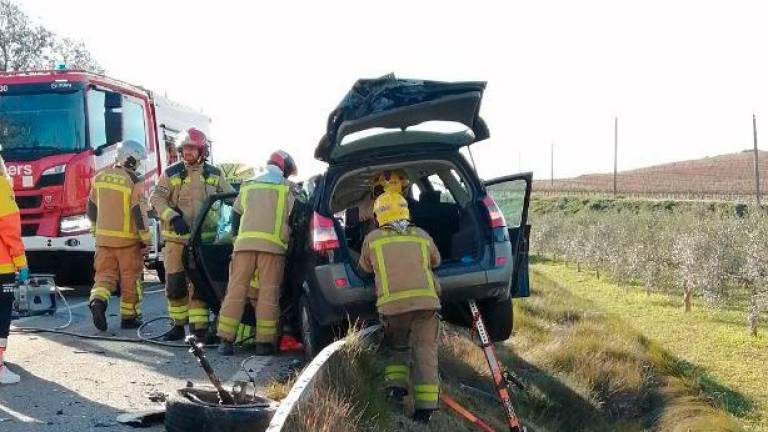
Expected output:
{"points": [[757, 165], [615, 152], [552, 164]]}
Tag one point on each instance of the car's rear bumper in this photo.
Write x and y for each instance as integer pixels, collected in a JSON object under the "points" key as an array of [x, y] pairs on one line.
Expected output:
{"points": [[336, 292]]}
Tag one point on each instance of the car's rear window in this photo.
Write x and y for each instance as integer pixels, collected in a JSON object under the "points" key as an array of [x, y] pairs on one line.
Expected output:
{"points": [[439, 126]]}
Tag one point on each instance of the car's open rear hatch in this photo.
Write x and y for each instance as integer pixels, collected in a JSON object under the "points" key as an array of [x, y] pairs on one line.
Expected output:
{"points": [[389, 103]]}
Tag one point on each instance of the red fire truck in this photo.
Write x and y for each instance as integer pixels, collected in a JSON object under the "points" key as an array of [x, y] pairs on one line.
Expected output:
{"points": [[57, 129]]}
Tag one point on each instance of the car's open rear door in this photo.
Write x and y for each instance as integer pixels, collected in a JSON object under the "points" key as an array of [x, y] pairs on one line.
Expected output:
{"points": [[513, 194]]}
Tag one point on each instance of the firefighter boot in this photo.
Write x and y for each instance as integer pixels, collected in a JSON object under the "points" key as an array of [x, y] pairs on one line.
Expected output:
{"points": [[396, 394], [99, 313], [422, 416], [226, 348], [131, 323], [177, 333], [206, 336], [264, 349]]}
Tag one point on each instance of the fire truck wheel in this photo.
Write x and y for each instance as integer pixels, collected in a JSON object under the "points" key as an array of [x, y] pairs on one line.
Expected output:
{"points": [[196, 409], [498, 317]]}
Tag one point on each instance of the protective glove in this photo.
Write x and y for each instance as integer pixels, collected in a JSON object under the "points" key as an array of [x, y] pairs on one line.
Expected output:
{"points": [[23, 274], [179, 226]]}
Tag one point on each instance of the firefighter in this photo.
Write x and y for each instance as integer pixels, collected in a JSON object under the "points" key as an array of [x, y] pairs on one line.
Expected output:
{"points": [[177, 198], [118, 210], [402, 257], [260, 219], [385, 181], [13, 264]]}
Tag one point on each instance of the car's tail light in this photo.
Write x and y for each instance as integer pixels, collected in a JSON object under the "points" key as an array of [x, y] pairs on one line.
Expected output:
{"points": [[324, 236], [495, 216]]}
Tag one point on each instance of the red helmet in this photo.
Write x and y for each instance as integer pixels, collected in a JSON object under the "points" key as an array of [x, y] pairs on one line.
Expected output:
{"points": [[284, 161], [193, 137]]}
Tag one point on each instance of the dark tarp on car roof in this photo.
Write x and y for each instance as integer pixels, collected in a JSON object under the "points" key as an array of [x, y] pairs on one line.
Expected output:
{"points": [[366, 106]]}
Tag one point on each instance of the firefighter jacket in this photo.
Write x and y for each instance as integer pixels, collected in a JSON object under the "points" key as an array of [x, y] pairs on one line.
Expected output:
{"points": [[118, 209], [181, 191], [402, 263], [263, 207], [12, 256]]}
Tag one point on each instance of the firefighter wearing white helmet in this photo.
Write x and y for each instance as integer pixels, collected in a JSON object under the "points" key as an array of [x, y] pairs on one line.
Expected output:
{"points": [[118, 210], [260, 219], [177, 198], [402, 257]]}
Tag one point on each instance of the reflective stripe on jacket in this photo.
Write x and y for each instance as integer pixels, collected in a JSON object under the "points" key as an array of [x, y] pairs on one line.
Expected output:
{"points": [[118, 208], [181, 190], [12, 255], [265, 208], [402, 264]]}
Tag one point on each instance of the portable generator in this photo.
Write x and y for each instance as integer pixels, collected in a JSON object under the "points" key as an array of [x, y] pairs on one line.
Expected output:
{"points": [[37, 296]]}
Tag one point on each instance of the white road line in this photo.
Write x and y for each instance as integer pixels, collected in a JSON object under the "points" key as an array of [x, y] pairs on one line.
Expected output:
{"points": [[18, 416]]}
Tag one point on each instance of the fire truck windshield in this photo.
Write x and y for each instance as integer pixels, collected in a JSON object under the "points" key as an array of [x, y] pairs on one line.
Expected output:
{"points": [[41, 124]]}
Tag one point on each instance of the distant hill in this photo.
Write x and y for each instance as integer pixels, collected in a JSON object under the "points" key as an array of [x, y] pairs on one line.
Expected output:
{"points": [[729, 174]]}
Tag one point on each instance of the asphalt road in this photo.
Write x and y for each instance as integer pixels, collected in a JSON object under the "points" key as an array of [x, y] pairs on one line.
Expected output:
{"points": [[74, 384]]}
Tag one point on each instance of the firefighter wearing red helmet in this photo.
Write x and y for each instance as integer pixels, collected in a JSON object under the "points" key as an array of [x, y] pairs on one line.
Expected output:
{"points": [[177, 198], [260, 218]]}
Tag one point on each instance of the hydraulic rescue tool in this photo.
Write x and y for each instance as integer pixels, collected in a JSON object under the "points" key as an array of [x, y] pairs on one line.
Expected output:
{"points": [[37, 296], [196, 349], [501, 378]]}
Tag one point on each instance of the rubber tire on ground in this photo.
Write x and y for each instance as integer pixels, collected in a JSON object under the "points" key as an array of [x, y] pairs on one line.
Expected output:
{"points": [[315, 337], [184, 415], [498, 317]]}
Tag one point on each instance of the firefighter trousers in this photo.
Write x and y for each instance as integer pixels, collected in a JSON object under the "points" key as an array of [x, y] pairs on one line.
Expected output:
{"points": [[6, 309], [411, 341], [255, 276], [183, 305], [124, 265]]}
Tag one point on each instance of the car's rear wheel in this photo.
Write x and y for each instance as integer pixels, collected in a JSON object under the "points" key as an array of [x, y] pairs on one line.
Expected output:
{"points": [[496, 312], [498, 317], [315, 336]]}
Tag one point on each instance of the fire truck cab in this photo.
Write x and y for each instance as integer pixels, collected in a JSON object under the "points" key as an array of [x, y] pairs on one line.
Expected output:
{"points": [[57, 129]]}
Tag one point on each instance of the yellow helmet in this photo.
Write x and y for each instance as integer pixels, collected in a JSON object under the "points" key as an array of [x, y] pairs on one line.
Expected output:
{"points": [[390, 207], [389, 181]]}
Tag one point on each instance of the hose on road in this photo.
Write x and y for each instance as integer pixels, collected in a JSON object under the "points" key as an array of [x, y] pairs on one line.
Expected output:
{"points": [[140, 332]]}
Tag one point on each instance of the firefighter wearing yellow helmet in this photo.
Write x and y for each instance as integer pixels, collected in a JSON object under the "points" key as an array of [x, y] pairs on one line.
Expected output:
{"points": [[402, 257], [386, 181]]}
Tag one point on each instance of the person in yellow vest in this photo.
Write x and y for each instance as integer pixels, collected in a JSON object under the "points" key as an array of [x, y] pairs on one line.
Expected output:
{"points": [[260, 219], [177, 198], [118, 210], [13, 264], [402, 257]]}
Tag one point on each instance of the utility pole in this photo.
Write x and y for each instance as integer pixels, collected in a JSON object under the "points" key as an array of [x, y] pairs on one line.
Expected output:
{"points": [[757, 166], [615, 152], [552, 164]]}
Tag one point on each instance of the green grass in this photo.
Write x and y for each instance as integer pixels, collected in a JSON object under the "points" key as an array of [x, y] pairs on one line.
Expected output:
{"points": [[587, 366], [709, 348], [569, 205]]}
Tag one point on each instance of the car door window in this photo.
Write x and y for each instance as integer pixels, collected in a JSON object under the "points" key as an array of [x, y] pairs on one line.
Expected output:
{"points": [[510, 197], [217, 225]]}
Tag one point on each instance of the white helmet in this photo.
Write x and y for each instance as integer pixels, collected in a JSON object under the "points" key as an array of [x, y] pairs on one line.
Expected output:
{"points": [[130, 153]]}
